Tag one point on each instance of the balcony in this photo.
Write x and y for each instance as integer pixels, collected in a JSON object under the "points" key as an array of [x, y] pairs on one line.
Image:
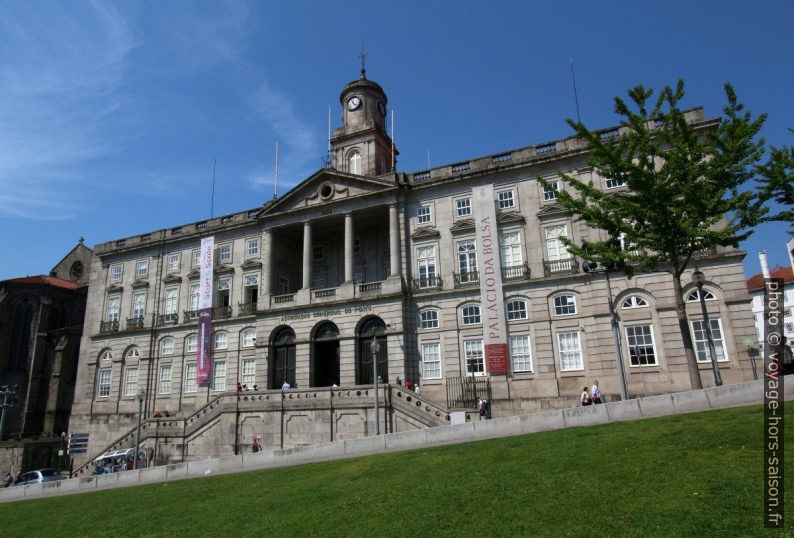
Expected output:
{"points": [[107, 327], [427, 284], [246, 309], [221, 312], [467, 280], [288, 298], [168, 319], [369, 286], [515, 272], [565, 266], [190, 315], [134, 323]]}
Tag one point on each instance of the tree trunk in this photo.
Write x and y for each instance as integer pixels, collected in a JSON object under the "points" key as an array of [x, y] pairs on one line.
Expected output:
{"points": [[686, 336]]}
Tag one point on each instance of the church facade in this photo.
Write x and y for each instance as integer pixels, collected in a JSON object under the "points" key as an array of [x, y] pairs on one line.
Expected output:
{"points": [[302, 286]]}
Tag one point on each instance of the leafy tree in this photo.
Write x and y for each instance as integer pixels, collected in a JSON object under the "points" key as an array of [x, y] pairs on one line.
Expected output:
{"points": [[684, 189], [777, 183]]}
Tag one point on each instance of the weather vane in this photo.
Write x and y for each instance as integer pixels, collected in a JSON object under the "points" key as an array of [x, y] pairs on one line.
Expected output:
{"points": [[363, 58]]}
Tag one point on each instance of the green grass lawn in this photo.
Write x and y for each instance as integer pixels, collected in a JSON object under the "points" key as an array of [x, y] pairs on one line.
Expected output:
{"points": [[696, 474]]}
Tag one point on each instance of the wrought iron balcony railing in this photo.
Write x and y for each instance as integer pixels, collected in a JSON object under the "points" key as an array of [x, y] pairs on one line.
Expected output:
{"points": [[246, 309], [467, 280], [221, 312], [106, 327], [564, 266], [428, 283], [135, 323]]}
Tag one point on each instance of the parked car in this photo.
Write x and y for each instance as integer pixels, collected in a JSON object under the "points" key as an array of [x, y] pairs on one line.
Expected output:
{"points": [[37, 476]]}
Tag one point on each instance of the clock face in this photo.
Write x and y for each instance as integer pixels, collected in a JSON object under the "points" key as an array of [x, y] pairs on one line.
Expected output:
{"points": [[382, 108], [353, 103]]}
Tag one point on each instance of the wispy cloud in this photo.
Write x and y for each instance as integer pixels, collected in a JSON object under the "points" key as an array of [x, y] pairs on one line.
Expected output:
{"points": [[60, 67], [298, 146]]}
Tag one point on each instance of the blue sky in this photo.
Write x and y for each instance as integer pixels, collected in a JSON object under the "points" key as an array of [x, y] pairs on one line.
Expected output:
{"points": [[111, 113]]}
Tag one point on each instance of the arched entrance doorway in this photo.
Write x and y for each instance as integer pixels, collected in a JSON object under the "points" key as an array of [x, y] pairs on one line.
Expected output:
{"points": [[282, 358], [324, 370], [369, 329]]}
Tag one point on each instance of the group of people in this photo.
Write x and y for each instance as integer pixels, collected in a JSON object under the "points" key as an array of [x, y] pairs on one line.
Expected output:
{"points": [[592, 395], [409, 385], [243, 386]]}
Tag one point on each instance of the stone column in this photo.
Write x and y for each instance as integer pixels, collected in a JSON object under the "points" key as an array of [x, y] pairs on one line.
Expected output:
{"points": [[307, 255], [394, 240], [348, 247], [267, 263]]}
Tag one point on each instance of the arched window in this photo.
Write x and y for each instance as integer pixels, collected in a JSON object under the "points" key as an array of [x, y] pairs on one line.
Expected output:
{"points": [[106, 355], [694, 296], [428, 318], [219, 340], [132, 353], [517, 309], [634, 301], [471, 314], [354, 163], [249, 337], [191, 343], [167, 345], [564, 305]]}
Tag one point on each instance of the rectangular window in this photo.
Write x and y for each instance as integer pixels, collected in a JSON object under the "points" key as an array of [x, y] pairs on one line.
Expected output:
{"points": [[423, 214], [564, 305], [116, 272], [195, 259], [426, 265], [510, 245], [249, 372], [219, 375], [555, 248], [639, 339], [138, 305], [614, 183], [114, 303], [463, 207], [283, 285], [252, 248], [471, 315], [317, 252], [165, 379], [357, 246], [550, 191], [225, 254], [467, 256], [475, 365], [130, 381], [171, 301], [431, 361], [173, 263], [104, 382], [520, 353], [506, 199], [220, 341], [224, 292], [570, 351], [194, 297], [789, 328], [142, 269], [190, 377], [701, 341]]}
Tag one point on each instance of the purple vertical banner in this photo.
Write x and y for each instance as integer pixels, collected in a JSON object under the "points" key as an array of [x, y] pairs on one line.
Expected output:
{"points": [[204, 357]]}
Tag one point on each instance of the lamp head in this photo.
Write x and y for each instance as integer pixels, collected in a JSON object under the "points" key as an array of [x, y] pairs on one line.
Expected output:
{"points": [[374, 346], [698, 278], [141, 395]]}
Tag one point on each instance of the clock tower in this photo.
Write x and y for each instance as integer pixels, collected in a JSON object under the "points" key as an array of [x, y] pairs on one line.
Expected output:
{"points": [[361, 145]]}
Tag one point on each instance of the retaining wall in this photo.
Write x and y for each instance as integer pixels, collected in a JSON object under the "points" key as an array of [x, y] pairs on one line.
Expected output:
{"points": [[737, 395]]}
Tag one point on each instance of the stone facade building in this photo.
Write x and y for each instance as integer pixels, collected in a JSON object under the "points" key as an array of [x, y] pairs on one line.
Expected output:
{"points": [[41, 322], [360, 252]]}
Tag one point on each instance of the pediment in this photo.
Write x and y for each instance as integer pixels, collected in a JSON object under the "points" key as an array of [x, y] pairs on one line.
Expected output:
{"points": [[510, 218], [114, 287], [140, 283], [552, 210], [251, 264], [195, 273], [222, 269], [425, 233], [462, 226], [172, 278], [327, 186]]}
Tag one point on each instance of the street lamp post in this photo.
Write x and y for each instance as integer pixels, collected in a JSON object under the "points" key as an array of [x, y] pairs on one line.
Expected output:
{"points": [[141, 396], [588, 267], [374, 347], [6, 392], [698, 278]]}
